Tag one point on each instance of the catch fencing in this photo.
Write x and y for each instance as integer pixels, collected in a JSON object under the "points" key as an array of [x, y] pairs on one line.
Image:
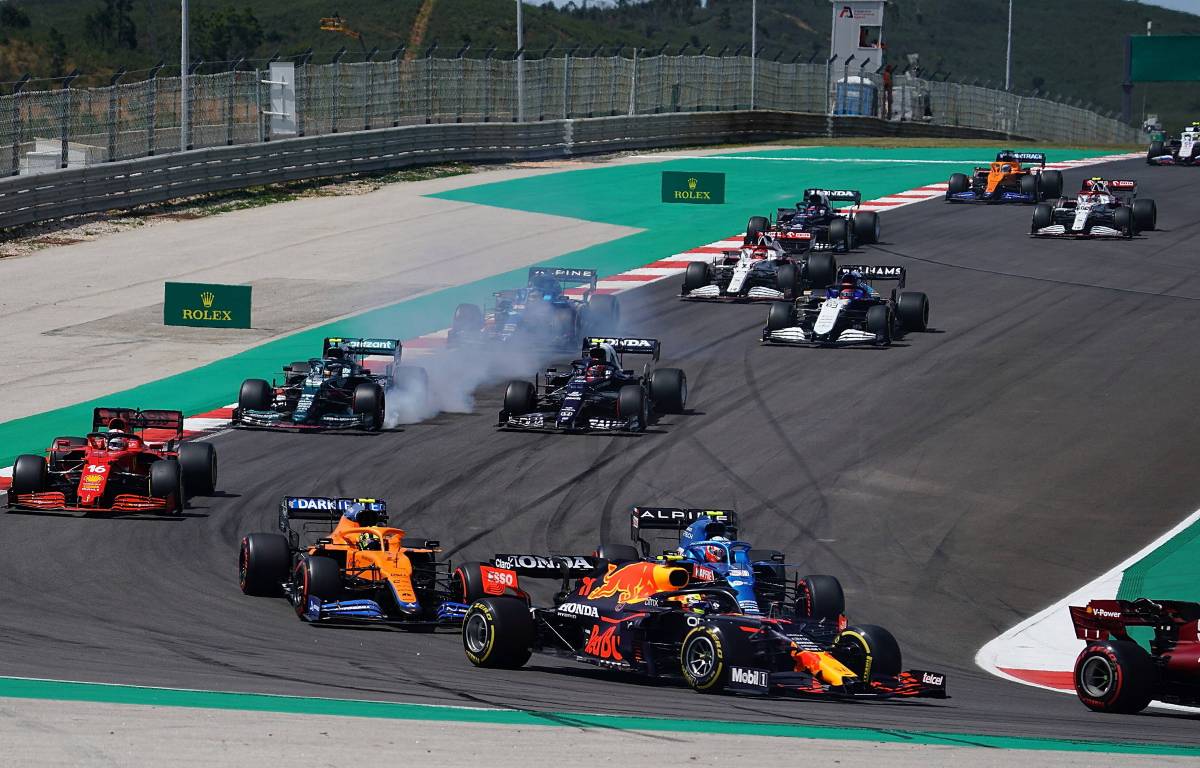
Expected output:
{"points": [[42, 130]]}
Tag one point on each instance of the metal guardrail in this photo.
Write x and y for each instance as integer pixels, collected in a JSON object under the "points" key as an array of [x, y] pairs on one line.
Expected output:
{"points": [[131, 183], [129, 120]]}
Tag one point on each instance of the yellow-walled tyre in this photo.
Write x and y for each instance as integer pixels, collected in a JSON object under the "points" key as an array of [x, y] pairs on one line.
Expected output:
{"points": [[498, 632]]}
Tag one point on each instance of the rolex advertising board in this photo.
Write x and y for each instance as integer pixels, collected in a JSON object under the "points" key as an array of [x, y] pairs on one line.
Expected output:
{"points": [[207, 305], [698, 188]]}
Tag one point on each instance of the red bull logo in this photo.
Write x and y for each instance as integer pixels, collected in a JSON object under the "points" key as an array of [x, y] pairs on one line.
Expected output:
{"points": [[603, 644], [635, 582]]}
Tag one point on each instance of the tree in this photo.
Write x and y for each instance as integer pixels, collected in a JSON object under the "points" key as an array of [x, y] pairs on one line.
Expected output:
{"points": [[112, 25], [725, 20], [12, 17], [58, 53], [221, 35]]}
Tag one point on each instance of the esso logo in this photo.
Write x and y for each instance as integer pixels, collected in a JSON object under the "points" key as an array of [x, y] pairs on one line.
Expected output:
{"points": [[504, 578], [98, 469]]}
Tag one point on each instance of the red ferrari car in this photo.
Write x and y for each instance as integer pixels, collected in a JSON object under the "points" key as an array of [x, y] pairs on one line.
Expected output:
{"points": [[131, 461]]}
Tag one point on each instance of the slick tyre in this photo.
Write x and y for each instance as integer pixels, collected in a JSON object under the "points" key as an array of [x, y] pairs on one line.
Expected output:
{"points": [[1028, 184], [631, 402], [668, 390], [841, 235], [368, 401], [198, 462], [263, 562], [166, 482], [498, 632], [959, 182], [1051, 184], [755, 227], [29, 474], [821, 269], [1145, 215], [1123, 221], [1156, 150], [468, 583], [468, 319], [820, 598], [912, 310], [868, 651], [316, 577], [603, 314], [519, 398], [787, 280], [1043, 216], [1115, 676], [696, 276], [255, 395], [866, 227], [879, 322], [297, 369], [780, 316], [706, 655]]}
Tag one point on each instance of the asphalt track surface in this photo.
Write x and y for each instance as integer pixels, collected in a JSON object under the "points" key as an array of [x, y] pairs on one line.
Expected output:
{"points": [[956, 483]]}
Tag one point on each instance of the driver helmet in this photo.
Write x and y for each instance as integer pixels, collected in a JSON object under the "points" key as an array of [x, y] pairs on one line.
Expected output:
{"points": [[369, 541], [335, 353], [546, 286], [815, 201], [117, 425], [1096, 186], [118, 443], [849, 285]]}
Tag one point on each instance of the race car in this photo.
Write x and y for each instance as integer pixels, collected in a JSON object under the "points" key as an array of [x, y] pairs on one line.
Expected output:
{"points": [[1007, 181], [345, 565], [814, 222], [131, 461], [850, 312], [597, 392], [1114, 673], [653, 620], [762, 270], [1184, 150], [541, 313], [1104, 208], [334, 391]]}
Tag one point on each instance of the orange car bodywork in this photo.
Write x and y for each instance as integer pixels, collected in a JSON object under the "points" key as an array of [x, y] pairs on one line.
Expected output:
{"points": [[1006, 171], [389, 562]]}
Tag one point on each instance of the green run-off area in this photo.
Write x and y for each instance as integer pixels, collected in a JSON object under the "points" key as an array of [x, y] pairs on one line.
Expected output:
{"points": [[627, 194]]}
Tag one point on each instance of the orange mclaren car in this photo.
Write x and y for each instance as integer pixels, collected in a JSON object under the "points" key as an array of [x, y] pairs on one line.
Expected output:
{"points": [[1007, 181]]}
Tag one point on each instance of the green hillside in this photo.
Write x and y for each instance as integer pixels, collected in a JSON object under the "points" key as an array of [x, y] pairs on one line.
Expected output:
{"points": [[1072, 47]]}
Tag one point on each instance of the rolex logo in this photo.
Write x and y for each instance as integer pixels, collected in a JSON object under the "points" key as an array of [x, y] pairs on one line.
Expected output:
{"points": [[692, 183], [207, 299]]}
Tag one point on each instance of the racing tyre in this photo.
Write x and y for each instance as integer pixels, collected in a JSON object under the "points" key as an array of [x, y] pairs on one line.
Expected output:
{"points": [[468, 318], [315, 577], [879, 322], [755, 227], [787, 280], [29, 474], [519, 398], [166, 482], [1029, 186], [912, 309], [868, 650], [498, 632], [198, 461], [668, 390], [631, 401], [866, 227], [780, 316], [840, 233], [820, 598], [1145, 215], [255, 395], [368, 401], [959, 182], [468, 584], [695, 277], [618, 553], [822, 269], [263, 562], [1123, 221], [707, 654], [603, 314], [1043, 216], [1051, 183], [1156, 150], [1116, 676], [297, 368]]}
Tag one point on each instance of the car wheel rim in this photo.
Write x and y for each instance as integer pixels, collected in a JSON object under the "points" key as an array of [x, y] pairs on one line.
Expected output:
{"points": [[475, 633], [1096, 677], [701, 657], [243, 567]]}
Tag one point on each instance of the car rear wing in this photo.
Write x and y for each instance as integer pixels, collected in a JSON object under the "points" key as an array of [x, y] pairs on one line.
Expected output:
{"points": [[624, 346], [364, 347], [566, 275], [547, 566], [673, 519], [874, 272], [137, 420], [1009, 155], [834, 195], [1100, 619], [320, 514]]}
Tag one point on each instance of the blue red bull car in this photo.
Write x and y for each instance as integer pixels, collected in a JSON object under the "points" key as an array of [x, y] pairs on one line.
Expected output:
{"points": [[684, 618]]}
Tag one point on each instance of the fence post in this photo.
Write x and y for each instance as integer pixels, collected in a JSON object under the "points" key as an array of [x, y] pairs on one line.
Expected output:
{"points": [[16, 124], [152, 126], [633, 85], [396, 109], [429, 82], [337, 88], [65, 116], [231, 101], [487, 82], [113, 108], [370, 87]]}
